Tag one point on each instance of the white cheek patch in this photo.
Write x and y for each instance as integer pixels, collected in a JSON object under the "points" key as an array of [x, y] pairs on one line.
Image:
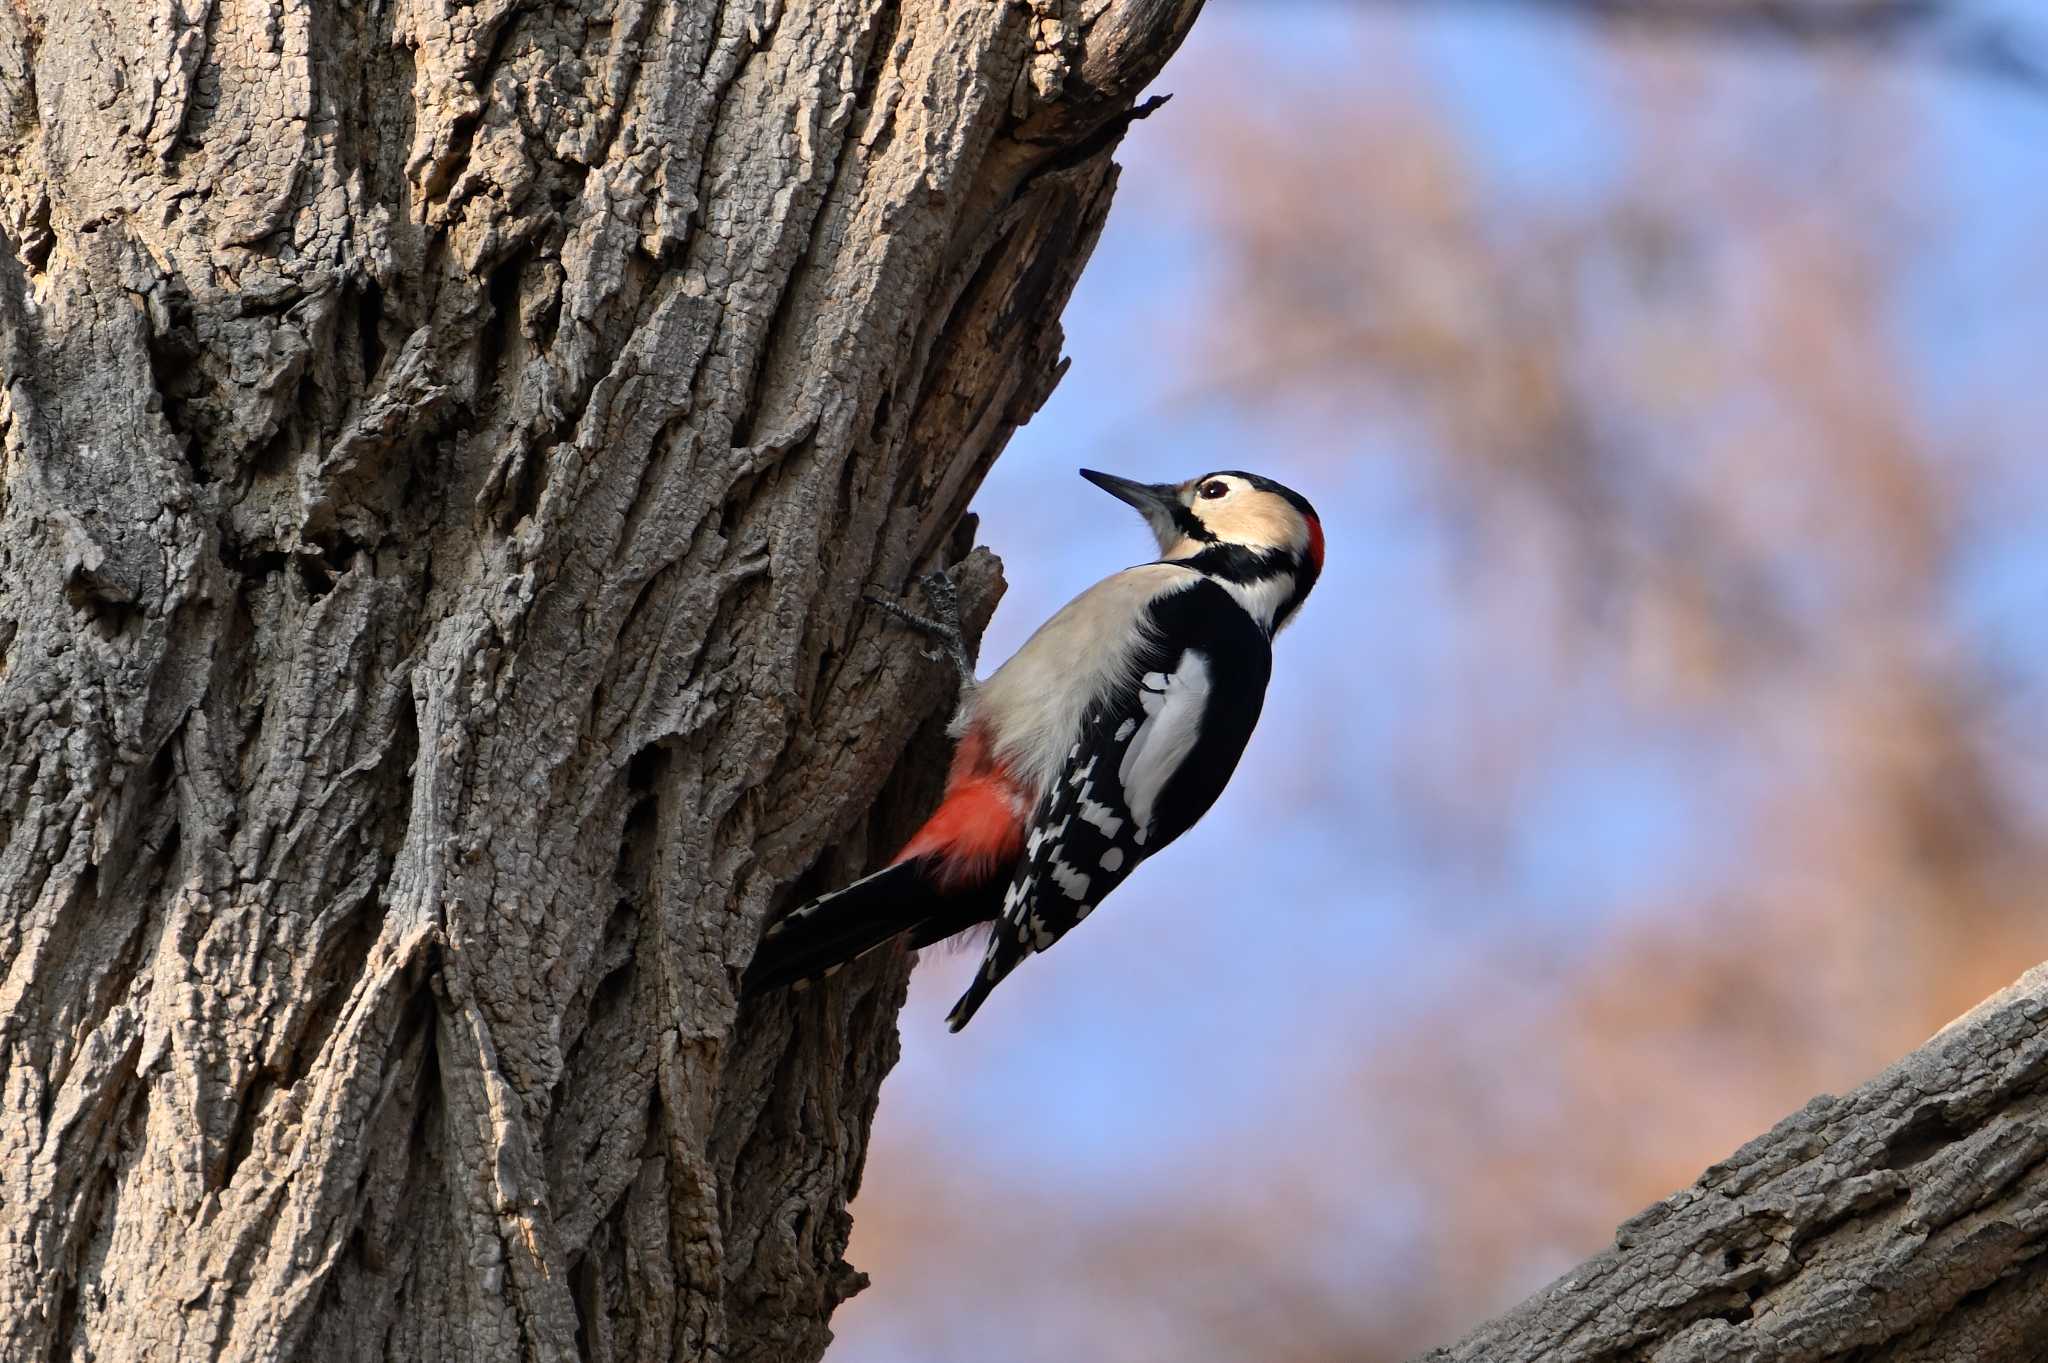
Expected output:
{"points": [[1254, 518]]}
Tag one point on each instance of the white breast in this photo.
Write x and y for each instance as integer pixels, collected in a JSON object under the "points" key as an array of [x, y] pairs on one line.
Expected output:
{"points": [[1034, 703]]}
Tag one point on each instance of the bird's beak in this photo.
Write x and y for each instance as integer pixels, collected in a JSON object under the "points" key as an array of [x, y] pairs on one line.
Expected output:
{"points": [[1158, 503], [1151, 499]]}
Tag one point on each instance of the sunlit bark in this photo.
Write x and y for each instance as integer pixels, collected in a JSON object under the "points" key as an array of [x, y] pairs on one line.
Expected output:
{"points": [[442, 449]]}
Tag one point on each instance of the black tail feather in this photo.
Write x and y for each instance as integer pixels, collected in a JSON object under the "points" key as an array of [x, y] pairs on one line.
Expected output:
{"points": [[842, 926], [957, 915], [996, 964]]}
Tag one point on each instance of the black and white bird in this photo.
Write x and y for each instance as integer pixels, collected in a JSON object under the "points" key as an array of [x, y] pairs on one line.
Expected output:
{"points": [[1111, 731]]}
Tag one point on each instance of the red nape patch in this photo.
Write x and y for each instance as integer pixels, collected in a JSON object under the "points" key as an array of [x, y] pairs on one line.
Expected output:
{"points": [[1315, 542], [976, 829]]}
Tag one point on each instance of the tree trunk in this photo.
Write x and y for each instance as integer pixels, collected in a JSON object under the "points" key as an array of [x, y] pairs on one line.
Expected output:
{"points": [[1906, 1222], [445, 443]]}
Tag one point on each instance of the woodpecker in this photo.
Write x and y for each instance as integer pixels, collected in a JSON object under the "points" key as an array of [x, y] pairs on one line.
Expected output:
{"points": [[1108, 734]]}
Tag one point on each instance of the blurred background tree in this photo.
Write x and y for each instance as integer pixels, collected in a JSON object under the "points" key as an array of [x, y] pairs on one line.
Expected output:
{"points": [[1666, 743]]}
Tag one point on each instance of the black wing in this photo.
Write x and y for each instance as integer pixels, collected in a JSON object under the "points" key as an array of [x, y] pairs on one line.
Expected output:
{"points": [[1148, 762]]}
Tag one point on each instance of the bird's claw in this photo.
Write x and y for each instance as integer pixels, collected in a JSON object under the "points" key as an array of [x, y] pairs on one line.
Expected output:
{"points": [[942, 624]]}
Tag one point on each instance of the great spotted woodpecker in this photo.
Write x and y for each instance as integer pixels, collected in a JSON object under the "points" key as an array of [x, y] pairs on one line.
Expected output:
{"points": [[1105, 738]]}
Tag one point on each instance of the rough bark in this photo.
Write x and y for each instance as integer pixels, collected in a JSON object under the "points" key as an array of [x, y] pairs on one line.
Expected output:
{"points": [[1906, 1221], [445, 443]]}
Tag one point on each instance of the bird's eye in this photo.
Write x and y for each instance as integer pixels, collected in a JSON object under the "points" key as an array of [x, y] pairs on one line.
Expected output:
{"points": [[1214, 488]]}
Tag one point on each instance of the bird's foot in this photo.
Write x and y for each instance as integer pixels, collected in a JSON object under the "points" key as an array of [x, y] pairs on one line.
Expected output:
{"points": [[942, 624]]}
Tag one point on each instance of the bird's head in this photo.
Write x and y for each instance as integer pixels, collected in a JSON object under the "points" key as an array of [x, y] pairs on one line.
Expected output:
{"points": [[1256, 536]]}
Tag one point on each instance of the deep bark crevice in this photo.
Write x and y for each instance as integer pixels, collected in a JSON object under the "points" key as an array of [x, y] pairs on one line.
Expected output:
{"points": [[443, 457], [498, 336]]}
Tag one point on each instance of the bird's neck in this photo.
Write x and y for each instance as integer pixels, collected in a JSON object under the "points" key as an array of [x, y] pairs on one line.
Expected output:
{"points": [[1266, 582]]}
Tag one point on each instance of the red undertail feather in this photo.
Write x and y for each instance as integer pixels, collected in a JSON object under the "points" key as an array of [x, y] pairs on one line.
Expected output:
{"points": [[978, 827], [947, 879]]}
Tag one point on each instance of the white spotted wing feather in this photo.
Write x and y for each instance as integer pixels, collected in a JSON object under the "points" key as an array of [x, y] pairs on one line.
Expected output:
{"points": [[1094, 823], [1172, 704]]}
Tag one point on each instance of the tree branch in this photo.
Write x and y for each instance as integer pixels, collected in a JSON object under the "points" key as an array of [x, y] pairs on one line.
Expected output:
{"points": [[1906, 1220]]}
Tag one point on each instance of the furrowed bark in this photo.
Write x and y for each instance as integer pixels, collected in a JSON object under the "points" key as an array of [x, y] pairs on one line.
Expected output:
{"points": [[1906, 1221], [445, 443]]}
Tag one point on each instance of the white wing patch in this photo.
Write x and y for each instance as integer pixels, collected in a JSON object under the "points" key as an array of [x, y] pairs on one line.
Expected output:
{"points": [[1173, 706], [1113, 860]]}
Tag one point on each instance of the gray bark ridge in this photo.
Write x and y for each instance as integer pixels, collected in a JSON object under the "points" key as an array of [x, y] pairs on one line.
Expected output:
{"points": [[1906, 1221], [443, 444]]}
